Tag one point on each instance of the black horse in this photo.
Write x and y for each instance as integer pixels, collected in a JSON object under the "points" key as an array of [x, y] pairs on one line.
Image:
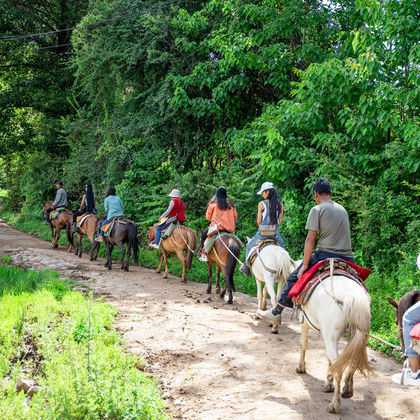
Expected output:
{"points": [[123, 232]]}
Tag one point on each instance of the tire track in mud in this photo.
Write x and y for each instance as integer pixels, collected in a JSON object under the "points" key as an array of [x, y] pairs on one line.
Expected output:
{"points": [[213, 360]]}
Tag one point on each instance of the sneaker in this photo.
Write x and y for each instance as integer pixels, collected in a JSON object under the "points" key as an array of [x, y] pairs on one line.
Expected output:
{"points": [[152, 245], [268, 316], [99, 239], [203, 257], [245, 270], [74, 229], [407, 377], [47, 223]]}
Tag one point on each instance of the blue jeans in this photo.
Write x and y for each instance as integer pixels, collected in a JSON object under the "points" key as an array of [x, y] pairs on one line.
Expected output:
{"points": [[317, 256], [411, 317], [106, 221], [257, 238], [159, 230]]}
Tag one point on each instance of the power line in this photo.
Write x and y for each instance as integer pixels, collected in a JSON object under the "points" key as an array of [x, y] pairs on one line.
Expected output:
{"points": [[40, 48], [117, 18]]}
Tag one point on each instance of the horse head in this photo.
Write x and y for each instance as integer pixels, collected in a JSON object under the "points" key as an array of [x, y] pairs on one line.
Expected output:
{"points": [[47, 204], [408, 300], [152, 232]]}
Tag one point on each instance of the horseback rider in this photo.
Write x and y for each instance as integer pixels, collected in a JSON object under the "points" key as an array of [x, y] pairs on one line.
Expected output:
{"points": [[60, 201], [86, 206], [270, 214], [173, 214], [221, 214], [114, 208], [329, 222]]}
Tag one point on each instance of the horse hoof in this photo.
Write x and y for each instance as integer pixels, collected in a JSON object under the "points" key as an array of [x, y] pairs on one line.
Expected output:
{"points": [[328, 388], [300, 370], [165, 276], [274, 331], [347, 393], [56, 246], [334, 408], [184, 280], [109, 268], [218, 291], [158, 271], [208, 291], [230, 302]]}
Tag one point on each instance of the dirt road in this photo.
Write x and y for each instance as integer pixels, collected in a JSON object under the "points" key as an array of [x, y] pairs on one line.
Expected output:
{"points": [[213, 360]]}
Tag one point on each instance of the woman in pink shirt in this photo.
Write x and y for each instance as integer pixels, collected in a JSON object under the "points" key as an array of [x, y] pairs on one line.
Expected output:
{"points": [[220, 212]]}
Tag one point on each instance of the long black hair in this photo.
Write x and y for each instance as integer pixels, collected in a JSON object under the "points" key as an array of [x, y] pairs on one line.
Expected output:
{"points": [[90, 199], [274, 206], [111, 191], [223, 202]]}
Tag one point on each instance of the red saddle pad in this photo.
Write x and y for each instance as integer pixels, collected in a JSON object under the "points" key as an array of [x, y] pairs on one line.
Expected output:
{"points": [[415, 331]]}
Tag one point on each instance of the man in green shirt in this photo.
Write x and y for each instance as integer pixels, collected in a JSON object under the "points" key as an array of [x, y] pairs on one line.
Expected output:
{"points": [[60, 201], [329, 222]]}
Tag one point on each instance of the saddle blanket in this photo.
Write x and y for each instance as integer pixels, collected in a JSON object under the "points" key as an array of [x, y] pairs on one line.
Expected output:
{"points": [[415, 331], [261, 245], [56, 212], [109, 226], [82, 218], [169, 230], [209, 242], [321, 270]]}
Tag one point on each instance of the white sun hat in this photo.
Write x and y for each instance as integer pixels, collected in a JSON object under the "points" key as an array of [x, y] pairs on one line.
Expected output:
{"points": [[265, 186], [174, 194]]}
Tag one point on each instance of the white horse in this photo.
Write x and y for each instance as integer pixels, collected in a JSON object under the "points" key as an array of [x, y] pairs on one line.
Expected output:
{"points": [[272, 265], [336, 304]]}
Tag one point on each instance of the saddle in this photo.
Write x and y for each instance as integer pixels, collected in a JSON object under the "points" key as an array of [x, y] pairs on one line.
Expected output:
{"points": [[56, 212], [169, 230], [109, 226], [80, 219], [415, 338], [209, 242], [303, 288], [253, 253]]}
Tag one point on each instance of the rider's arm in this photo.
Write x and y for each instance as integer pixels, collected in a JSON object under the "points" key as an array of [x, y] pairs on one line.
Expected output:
{"points": [[281, 215], [167, 212], [209, 212], [83, 202], [309, 247], [259, 215]]}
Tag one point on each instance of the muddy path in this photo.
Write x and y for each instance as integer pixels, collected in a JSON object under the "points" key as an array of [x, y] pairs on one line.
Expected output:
{"points": [[213, 360]]}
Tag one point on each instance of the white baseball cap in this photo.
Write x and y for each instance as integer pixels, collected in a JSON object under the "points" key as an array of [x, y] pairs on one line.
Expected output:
{"points": [[265, 186], [174, 194]]}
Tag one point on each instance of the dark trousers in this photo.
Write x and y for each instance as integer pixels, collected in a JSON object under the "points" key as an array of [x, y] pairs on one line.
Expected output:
{"points": [[78, 213], [203, 237], [317, 256], [48, 211]]}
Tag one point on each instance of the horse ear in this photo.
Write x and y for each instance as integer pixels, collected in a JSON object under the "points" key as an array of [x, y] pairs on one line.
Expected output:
{"points": [[392, 302]]}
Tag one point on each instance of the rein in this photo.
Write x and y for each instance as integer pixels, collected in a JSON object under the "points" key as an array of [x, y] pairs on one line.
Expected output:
{"points": [[186, 243], [234, 256], [262, 262]]}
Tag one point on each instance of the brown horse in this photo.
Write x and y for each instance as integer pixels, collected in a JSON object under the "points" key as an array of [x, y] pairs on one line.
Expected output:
{"points": [[182, 239], [224, 254], [63, 221], [123, 232], [88, 228], [407, 301]]}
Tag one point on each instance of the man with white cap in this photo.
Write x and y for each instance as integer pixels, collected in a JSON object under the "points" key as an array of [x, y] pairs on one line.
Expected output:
{"points": [[269, 218], [174, 213]]}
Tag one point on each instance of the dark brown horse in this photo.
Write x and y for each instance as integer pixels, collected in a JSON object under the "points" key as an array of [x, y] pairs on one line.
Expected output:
{"points": [[88, 228], [182, 243], [407, 301], [63, 221], [123, 232], [224, 254]]}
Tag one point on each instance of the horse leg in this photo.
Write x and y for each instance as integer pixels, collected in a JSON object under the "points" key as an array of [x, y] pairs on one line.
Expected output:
{"points": [[127, 265], [52, 235], [165, 259], [108, 263], [210, 275], [269, 284], [228, 286], [57, 237], [259, 295], [331, 341], [348, 385], [160, 265], [79, 236], [218, 280], [335, 404], [303, 346], [329, 386], [180, 255], [122, 249]]}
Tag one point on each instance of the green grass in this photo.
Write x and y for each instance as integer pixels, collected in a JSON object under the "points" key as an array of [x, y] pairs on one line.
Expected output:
{"points": [[65, 342]]}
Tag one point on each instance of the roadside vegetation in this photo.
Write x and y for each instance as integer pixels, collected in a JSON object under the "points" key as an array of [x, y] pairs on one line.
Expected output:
{"points": [[62, 344]]}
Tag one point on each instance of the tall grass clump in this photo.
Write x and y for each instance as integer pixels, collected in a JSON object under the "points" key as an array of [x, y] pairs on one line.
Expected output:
{"points": [[65, 342]]}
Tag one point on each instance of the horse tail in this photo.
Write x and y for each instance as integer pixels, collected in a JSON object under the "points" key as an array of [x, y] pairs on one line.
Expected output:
{"points": [[356, 308], [133, 241], [192, 243], [231, 262], [283, 267], [69, 234]]}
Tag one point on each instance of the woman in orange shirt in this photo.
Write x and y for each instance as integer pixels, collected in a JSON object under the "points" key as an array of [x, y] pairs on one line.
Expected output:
{"points": [[220, 212]]}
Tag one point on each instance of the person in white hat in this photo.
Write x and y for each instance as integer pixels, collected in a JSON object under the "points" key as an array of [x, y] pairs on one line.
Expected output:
{"points": [[174, 213], [270, 213]]}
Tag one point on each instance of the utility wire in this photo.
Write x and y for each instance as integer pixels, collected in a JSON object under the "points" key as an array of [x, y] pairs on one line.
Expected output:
{"points": [[89, 25]]}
